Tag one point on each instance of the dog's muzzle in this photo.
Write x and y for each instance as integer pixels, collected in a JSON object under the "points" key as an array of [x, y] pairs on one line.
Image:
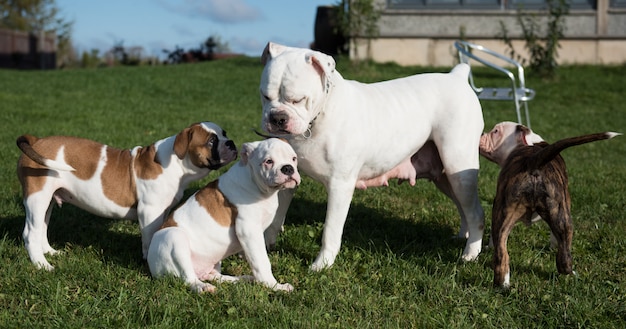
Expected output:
{"points": [[215, 162], [279, 121], [287, 170]]}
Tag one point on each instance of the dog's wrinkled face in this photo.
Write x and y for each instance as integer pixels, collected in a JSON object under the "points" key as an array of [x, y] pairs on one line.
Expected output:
{"points": [[273, 164], [293, 87], [206, 145], [497, 144]]}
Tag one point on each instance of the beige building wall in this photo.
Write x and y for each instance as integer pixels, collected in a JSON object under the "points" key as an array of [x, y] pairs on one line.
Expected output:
{"points": [[426, 37], [441, 52]]}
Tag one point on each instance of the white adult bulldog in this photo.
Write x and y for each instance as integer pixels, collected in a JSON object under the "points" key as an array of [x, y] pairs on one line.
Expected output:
{"points": [[349, 134], [225, 217]]}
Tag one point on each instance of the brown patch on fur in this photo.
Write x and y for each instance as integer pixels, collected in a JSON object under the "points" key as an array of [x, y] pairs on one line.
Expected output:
{"points": [[199, 151], [216, 204], [194, 141], [169, 222], [146, 164], [31, 175], [82, 154], [118, 183]]}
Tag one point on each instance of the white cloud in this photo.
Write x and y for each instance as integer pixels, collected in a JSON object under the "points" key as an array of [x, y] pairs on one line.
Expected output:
{"points": [[220, 11]]}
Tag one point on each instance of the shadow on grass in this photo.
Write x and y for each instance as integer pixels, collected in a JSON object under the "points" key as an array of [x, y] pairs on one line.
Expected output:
{"points": [[71, 226], [367, 228], [378, 232]]}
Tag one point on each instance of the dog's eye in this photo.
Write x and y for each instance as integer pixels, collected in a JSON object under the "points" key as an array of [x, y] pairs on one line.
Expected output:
{"points": [[265, 97], [294, 159], [295, 102], [212, 140], [269, 162]]}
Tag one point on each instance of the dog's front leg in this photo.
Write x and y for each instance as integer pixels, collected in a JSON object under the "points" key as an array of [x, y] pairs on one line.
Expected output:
{"points": [[250, 235], [340, 193], [271, 233], [150, 219]]}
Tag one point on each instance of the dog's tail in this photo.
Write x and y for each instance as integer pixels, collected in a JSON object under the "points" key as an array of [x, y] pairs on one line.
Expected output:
{"points": [[25, 143], [461, 69], [549, 152]]}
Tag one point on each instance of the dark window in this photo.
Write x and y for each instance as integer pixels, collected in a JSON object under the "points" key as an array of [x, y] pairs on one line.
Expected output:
{"points": [[442, 4], [491, 4], [542, 4], [618, 3]]}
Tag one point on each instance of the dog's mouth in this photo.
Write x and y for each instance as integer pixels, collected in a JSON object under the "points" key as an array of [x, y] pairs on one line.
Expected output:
{"points": [[275, 130], [282, 132], [220, 159], [289, 184]]}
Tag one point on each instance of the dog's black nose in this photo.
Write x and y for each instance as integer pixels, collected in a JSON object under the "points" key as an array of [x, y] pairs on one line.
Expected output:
{"points": [[287, 170], [279, 119]]}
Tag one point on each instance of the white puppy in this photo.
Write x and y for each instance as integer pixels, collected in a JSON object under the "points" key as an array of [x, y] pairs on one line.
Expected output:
{"points": [[142, 183], [225, 217], [349, 134], [497, 144]]}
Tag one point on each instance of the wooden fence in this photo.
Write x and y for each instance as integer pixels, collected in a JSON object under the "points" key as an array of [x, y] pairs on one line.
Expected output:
{"points": [[24, 50]]}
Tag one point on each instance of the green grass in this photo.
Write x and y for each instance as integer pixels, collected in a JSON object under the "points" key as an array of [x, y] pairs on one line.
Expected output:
{"points": [[398, 266]]}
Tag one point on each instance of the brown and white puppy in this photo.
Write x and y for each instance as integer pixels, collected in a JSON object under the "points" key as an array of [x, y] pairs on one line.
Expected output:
{"points": [[141, 183], [225, 217], [533, 179]]}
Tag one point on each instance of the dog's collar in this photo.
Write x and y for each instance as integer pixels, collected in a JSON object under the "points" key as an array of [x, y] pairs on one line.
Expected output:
{"points": [[328, 84]]}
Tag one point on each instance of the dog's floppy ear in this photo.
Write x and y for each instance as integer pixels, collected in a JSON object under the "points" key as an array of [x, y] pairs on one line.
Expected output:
{"points": [[271, 50], [181, 143], [323, 64], [526, 136], [246, 151]]}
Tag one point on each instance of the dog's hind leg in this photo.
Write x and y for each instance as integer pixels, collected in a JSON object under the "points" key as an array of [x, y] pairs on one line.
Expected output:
{"points": [[462, 188], [38, 207], [45, 244], [503, 220], [444, 186], [464, 185], [170, 254], [561, 227]]}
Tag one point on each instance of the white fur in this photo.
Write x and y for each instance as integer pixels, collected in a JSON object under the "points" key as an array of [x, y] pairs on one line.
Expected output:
{"points": [[346, 131], [155, 196], [194, 248]]}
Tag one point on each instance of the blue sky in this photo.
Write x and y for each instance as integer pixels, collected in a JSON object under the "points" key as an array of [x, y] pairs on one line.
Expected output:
{"points": [[246, 25]]}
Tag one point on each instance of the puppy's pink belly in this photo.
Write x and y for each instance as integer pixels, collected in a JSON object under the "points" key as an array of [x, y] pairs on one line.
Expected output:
{"points": [[205, 260], [203, 272]]}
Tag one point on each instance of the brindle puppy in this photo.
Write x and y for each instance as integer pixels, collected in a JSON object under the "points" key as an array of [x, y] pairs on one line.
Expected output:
{"points": [[533, 179]]}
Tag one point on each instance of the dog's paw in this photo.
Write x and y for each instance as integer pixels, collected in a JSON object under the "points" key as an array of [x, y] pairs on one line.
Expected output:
{"points": [[50, 251], [470, 256], [283, 287], [322, 262], [202, 287], [46, 266], [472, 250]]}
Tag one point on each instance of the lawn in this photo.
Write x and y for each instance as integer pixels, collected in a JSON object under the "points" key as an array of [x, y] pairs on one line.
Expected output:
{"points": [[398, 266]]}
